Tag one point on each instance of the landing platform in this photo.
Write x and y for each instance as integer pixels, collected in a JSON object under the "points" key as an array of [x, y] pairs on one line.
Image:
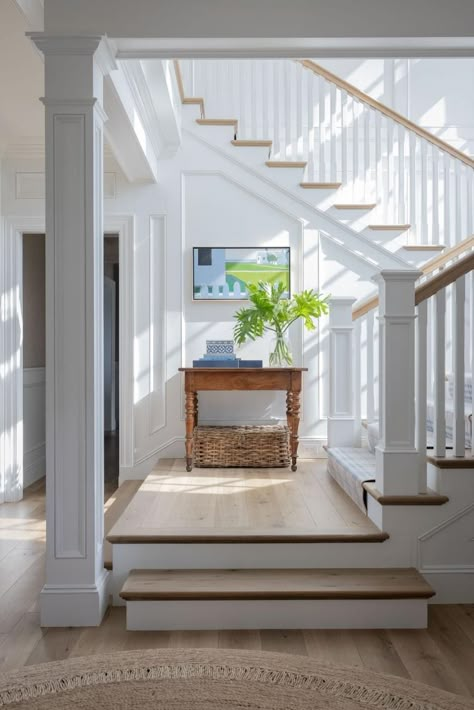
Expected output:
{"points": [[242, 505]]}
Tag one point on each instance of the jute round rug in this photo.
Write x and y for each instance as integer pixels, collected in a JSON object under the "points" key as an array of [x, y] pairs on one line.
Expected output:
{"points": [[205, 679]]}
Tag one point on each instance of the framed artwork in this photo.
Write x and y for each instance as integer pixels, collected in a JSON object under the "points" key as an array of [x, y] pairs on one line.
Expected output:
{"points": [[222, 273]]}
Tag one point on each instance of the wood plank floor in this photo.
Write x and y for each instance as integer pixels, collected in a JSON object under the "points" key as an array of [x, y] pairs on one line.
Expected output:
{"points": [[240, 502], [441, 656]]}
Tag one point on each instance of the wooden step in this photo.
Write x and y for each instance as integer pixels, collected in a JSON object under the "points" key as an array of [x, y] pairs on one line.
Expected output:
{"points": [[428, 498], [194, 101], [209, 584], [355, 207], [217, 122], [452, 461], [424, 247], [286, 163], [115, 506], [320, 185], [389, 227], [252, 144]]}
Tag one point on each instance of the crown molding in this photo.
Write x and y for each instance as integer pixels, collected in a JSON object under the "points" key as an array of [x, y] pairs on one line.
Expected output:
{"points": [[60, 45]]}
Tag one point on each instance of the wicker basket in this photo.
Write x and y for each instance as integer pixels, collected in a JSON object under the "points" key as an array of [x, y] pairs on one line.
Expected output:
{"points": [[241, 446]]}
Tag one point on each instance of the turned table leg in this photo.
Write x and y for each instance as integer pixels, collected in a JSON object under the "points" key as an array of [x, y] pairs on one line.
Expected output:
{"points": [[293, 419], [191, 417]]}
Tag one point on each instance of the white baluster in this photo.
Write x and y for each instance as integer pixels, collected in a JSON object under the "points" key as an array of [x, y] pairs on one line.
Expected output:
{"points": [[312, 129], [322, 130], [378, 159], [414, 237], [355, 150], [439, 372], [422, 228], [370, 368], [448, 237], [344, 137], [421, 360], [401, 174], [288, 110], [341, 419], [435, 194], [469, 204], [458, 235], [357, 384], [385, 169], [332, 132], [458, 365]]}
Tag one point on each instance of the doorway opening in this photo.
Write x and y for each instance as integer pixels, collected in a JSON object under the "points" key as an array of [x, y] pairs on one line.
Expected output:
{"points": [[34, 358], [111, 361]]}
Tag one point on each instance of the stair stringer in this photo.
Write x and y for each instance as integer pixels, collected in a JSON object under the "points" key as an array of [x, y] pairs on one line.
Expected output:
{"points": [[352, 242]]}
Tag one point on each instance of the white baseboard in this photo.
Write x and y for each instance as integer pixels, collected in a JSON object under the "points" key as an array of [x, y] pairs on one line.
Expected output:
{"points": [[79, 605], [452, 585]]}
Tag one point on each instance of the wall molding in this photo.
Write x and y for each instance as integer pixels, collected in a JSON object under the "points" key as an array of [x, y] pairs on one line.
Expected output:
{"points": [[158, 310]]}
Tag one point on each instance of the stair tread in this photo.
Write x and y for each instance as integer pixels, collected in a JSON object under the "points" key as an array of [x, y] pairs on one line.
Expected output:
{"points": [[390, 227], [286, 163], [320, 185], [428, 498], [424, 247], [372, 583], [246, 535], [217, 121], [252, 143], [368, 206]]}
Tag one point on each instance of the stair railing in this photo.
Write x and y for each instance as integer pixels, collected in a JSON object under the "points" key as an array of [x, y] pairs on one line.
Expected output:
{"points": [[366, 333], [379, 157], [413, 386]]}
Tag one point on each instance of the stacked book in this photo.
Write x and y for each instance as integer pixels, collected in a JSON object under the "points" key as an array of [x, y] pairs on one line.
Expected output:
{"points": [[220, 353]]}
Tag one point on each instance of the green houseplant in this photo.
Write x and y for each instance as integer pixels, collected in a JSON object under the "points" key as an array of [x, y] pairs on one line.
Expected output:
{"points": [[271, 311]]}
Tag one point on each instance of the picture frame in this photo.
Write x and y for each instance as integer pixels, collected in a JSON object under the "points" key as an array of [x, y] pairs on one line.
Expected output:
{"points": [[220, 274]]}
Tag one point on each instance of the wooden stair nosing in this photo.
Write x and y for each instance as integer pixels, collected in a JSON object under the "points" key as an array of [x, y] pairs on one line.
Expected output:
{"points": [[241, 537], [217, 121], [451, 461], [268, 584], [252, 143], [369, 206], [286, 163], [389, 227], [424, 247], [429, 498], [320, 185]]}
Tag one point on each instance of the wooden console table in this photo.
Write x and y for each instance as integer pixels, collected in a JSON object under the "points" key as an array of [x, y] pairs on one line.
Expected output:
{"points": [[214, 379]]}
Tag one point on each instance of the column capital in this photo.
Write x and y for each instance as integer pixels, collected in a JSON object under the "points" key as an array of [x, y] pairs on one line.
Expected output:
{"points": [[79, 46], [397, 275]]}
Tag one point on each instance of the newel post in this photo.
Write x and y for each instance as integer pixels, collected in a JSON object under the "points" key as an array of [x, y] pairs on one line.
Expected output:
{"points": [[397, 461], [341, 419]]}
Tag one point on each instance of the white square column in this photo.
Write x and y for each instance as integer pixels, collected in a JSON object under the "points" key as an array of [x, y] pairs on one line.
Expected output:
{"points": [[397, 460], [76, 589]]}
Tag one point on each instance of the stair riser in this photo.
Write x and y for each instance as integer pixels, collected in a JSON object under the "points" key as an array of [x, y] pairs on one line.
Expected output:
{"points": [[253, 556], [218, 135], [255, 156], [277, 614], [287, 177]]}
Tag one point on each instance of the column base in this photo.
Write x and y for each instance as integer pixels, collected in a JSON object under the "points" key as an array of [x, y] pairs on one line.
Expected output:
{"points": [[397, 472], [82, 605], [341, 431]]}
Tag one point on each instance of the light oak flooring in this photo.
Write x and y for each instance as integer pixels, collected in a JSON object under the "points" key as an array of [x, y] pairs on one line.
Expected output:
{"points": [[240, 502], [441, 656]]}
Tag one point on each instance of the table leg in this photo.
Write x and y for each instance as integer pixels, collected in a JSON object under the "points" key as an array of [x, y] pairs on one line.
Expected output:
{"points": [[190, 423], [293, 419], [196, 409]]}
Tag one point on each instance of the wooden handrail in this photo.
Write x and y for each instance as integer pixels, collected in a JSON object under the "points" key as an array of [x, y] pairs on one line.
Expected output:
{"points": [[179, 79], [432, 265], [444, 278], [390, 113]]}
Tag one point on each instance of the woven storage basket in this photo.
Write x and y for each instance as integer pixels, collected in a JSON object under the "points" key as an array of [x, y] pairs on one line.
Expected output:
{"points": [[241, 446]]}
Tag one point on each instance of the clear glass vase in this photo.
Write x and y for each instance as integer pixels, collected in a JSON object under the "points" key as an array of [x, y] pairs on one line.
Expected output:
{"points": [[280, 353]]}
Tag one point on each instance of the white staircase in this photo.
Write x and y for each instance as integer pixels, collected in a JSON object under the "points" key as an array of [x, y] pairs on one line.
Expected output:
{"points": [[392, 196]]}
